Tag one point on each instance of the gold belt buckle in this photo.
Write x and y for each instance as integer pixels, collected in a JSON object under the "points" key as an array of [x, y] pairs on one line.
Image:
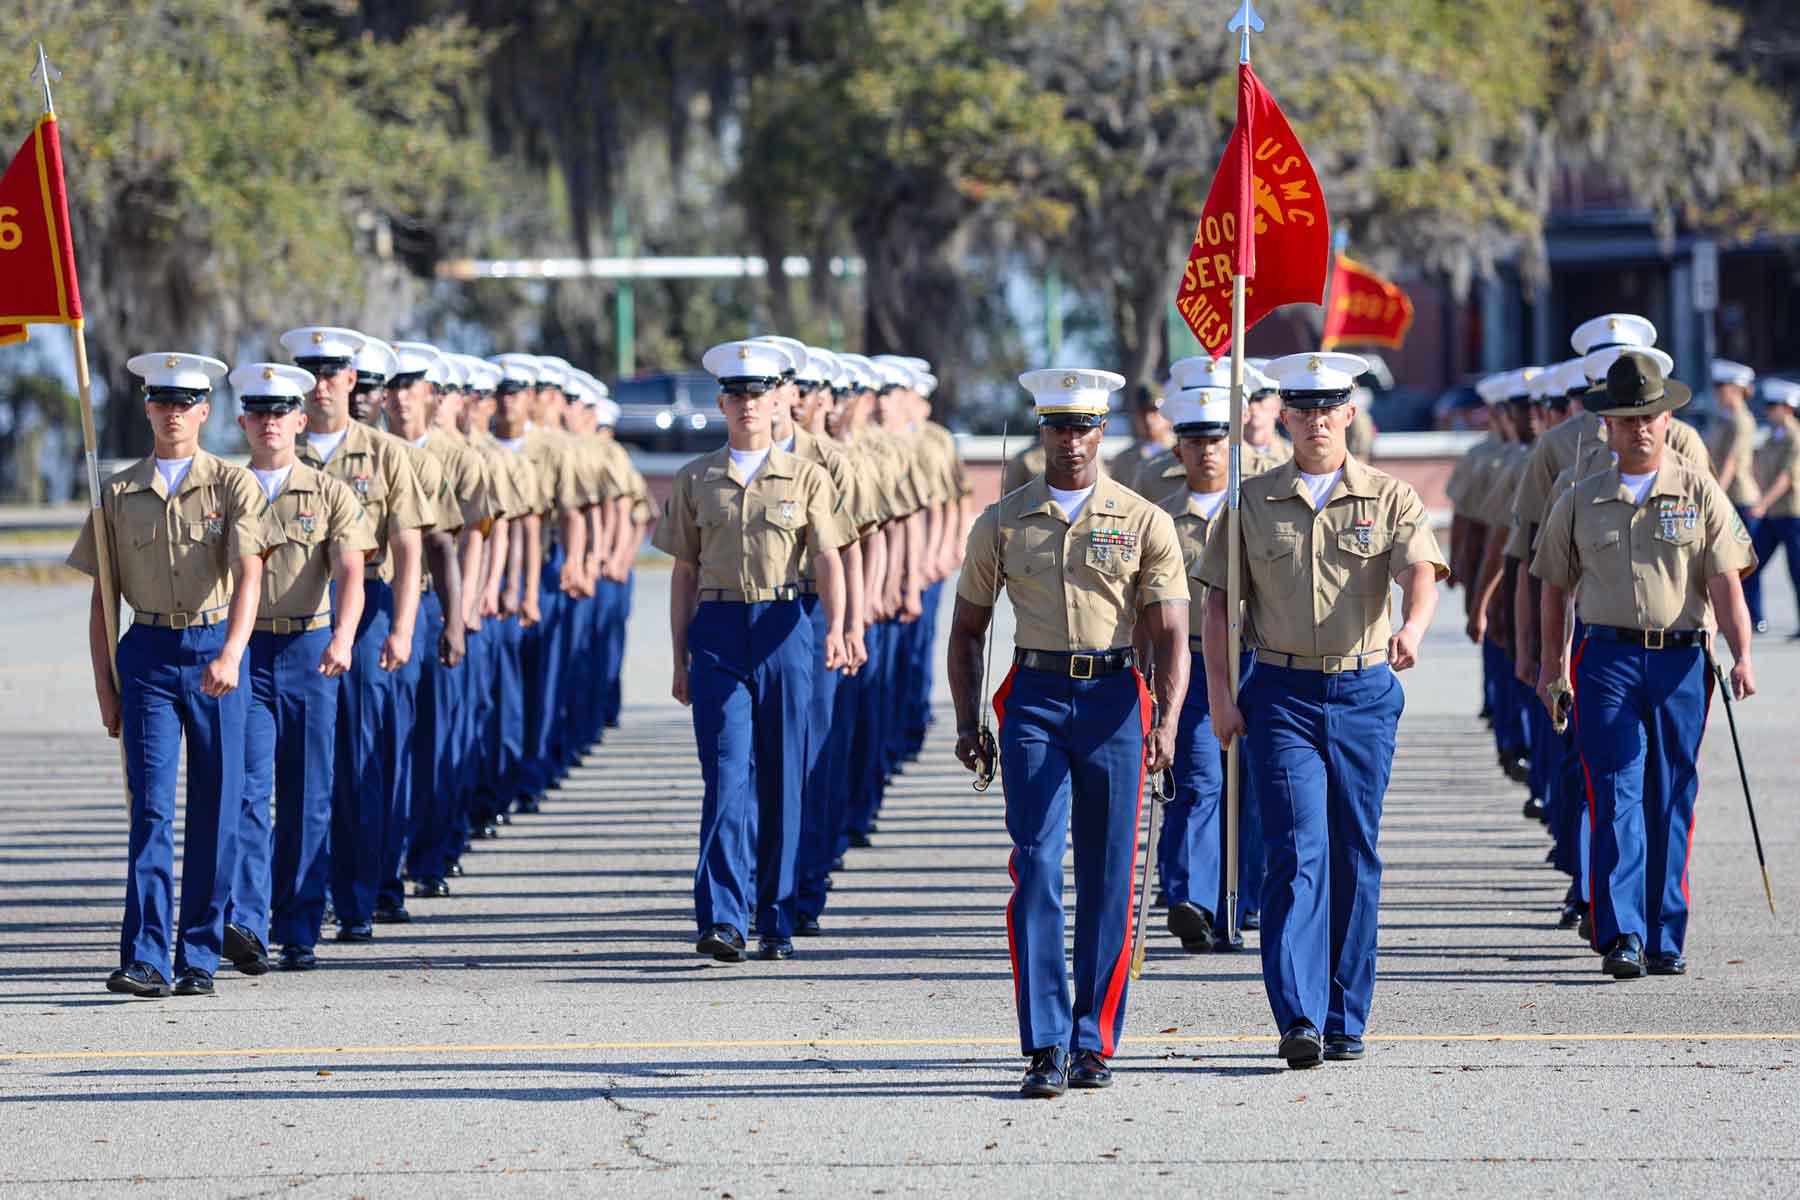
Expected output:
{"points": [[1333, 664], [1658, 634], [179, 620], [1081, 666]]}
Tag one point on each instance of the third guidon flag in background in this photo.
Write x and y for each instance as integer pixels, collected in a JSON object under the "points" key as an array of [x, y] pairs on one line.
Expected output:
{"points": [[1366, 310], [1264, 219]]}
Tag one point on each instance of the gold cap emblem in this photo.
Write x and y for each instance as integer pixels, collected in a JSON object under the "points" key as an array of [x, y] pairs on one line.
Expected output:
{"points": [[743, 352], [318, 338], [1612, 324], [1068, 381], [172, 362], [268, 373], [1314, 363]]}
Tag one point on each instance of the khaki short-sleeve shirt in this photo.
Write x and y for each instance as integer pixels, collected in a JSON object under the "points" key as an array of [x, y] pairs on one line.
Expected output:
{"points": [[174, 553], [378, 470], [1490, 499], [751, 538], [467, 487], [1080, 586], [1467, 470], [315, 520], [1778, 457], [1643, 566], [1317, 583], [1194, 530], [1732, 439], [552, 456], [946, 442]]}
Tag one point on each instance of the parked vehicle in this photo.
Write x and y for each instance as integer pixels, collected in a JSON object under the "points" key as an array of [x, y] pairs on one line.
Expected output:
{"points": [[670, 412]]}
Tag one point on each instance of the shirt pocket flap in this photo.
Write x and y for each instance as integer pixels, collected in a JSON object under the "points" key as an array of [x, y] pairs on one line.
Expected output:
{"points": [[1364, 541], [785, 514]]}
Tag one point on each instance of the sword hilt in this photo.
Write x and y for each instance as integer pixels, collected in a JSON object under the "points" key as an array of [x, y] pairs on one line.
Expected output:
{"points": [[987, 756]]}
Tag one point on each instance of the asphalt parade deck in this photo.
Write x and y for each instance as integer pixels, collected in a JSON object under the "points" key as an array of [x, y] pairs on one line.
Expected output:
{"points": [[548, 1029]]}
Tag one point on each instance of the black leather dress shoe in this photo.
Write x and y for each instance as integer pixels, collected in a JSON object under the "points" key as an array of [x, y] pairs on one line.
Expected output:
{"points": [[806, 926], [455, 869], [1534, 808], [859, 839], [246, 951], [140, 979], [1302, 1047], [1761, 626], [1048, 1075], [504, 818], [1089, 1070], [1572, 913], [529, 804], [298, 958], [1193, 925], [433, 888], [356, 931], [1250, 918], [1668, 964], [774, 949], [392, 914], [837, 864], [1625, 957], [1584, 928], [723, 943], [487, 832], [1341, 1048], [192, 981]]}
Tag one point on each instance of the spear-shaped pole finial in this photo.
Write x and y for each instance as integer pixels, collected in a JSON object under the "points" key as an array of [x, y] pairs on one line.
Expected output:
{"points": [[1245, 23], [48, 73]]}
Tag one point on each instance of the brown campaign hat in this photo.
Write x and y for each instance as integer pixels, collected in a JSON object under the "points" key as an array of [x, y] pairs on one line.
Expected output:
{"points": [[1636, 387]]}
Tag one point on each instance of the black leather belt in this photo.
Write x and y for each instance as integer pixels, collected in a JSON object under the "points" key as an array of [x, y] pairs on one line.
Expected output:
{"points": [[1650, 639], [1077, 666]]}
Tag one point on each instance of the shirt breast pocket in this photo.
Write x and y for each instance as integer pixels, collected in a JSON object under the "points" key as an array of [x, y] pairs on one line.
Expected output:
{"points": [[1363, 554], [1603, 546], [304, 533], [786, 516], [1111, 561]]}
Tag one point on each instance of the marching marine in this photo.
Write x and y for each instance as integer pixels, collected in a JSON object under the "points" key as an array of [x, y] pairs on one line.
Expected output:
{"points": [[1651, 550], [1324, 538], [1084, 560], [312, 602], [187, 533]]}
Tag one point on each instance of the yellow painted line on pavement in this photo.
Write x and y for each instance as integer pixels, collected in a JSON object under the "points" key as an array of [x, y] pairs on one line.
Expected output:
{"points": [[842, 1043]]}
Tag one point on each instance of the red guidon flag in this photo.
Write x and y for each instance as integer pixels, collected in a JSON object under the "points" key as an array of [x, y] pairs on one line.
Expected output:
{"points": [[37, 256], [1366, 310], [1265, 206]]}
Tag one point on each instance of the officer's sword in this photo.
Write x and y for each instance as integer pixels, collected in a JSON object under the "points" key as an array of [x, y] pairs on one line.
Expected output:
{"points": [[1162, 789], [987, 751], [1738, 749]]}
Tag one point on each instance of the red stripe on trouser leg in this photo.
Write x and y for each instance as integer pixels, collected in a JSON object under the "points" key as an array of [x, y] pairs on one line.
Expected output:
{"points": [[1001, 695], [1012, 860], [1121, 969]]}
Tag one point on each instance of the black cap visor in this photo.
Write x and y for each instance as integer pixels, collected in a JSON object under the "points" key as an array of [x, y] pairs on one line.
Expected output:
{"points": [[1316, 399]]}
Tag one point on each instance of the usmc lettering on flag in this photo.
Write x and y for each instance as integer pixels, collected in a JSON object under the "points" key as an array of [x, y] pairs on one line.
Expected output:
{"points": [[1288, 230]]}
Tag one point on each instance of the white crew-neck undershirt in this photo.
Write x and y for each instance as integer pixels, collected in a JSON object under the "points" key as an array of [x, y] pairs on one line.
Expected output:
{"points": [[1320, 486], [325, 444], [749, 462], [1072, 502], [272, 481], [1637, 485], [173, 471], [1209, 502]]}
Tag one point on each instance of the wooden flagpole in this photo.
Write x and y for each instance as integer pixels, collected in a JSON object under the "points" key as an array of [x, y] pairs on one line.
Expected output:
{"points": [[1243, 23], [103, 556]]}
